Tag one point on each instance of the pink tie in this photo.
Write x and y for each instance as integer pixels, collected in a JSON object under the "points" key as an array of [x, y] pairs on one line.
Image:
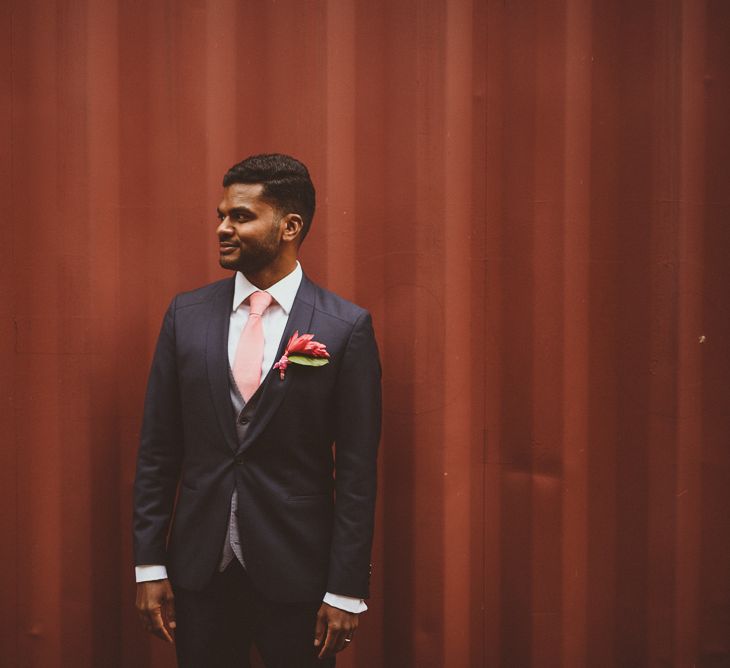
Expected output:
{"points": [[250, 351]]}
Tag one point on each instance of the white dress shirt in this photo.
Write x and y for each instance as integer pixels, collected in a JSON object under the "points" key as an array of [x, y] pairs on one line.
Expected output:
{"points": [[273, 322]]}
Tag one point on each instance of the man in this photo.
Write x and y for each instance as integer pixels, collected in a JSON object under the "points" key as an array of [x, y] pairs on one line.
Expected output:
{"points": [[271, 535]]}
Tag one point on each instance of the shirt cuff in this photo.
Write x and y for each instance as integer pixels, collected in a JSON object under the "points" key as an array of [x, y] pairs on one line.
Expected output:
{"points": [[347, 603], [152, 572]]}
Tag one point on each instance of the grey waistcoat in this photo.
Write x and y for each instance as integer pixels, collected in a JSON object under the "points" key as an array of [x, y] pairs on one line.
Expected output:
{"points": [[243, 414]]}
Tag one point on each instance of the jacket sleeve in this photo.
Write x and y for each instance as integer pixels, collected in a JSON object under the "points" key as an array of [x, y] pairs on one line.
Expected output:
{"points": [[358, 397], [160, 451]]}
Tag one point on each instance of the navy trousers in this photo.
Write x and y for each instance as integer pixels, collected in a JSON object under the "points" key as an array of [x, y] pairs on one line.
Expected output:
{"points": [[217, 626]]}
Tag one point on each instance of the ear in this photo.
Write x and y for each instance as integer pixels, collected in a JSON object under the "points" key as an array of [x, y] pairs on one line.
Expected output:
{"points": [[292, 226]]}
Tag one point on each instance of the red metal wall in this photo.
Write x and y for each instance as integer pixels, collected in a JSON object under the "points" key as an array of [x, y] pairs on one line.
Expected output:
{"points": [[531, 197]]}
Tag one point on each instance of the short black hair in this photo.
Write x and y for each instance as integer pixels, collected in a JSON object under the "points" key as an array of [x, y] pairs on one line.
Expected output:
{"points": [[286, 182]]}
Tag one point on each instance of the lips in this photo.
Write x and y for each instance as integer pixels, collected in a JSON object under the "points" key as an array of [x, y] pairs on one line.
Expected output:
{"points": [[227, 248]]}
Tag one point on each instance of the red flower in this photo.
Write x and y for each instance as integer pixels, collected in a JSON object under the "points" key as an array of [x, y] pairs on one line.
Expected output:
{"points": [[302, 350]]}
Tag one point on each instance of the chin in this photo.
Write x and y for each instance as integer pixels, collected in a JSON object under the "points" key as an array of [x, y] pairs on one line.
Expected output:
{"points": [[228, 263]]}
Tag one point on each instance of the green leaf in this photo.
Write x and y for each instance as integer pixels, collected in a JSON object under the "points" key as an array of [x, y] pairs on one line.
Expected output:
{"points": [[308, 361]]}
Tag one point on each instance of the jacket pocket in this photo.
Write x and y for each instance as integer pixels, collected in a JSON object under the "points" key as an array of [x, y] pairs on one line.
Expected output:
{"points": [[309, 498], [188, 485]]}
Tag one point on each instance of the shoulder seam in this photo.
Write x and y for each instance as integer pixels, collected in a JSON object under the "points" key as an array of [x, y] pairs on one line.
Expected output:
{"points": [[203, 300], [337, 317]]}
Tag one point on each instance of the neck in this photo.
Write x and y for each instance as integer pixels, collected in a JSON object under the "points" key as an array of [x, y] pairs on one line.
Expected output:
{"points": [[272, 273]]}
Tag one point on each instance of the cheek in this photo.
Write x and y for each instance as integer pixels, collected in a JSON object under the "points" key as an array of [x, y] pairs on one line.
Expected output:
{"points": [[245, 235], [258, 235]]}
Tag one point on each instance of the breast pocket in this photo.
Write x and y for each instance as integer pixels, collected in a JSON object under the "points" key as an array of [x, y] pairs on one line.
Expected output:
{"points": [[310, 499]]}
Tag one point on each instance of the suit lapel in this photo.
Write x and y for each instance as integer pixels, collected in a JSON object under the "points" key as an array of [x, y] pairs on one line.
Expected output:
{"points": [[273, 389], [216, 350]]}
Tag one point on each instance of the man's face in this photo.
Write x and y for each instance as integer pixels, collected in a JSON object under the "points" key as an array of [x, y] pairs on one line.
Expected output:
{"points": [[249, 233]]}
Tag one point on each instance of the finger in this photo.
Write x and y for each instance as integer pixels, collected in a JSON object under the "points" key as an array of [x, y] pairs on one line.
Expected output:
{"points": [[341, 642], [333, 640], [158, 626], [148, 621], [349, 631], [348, 639], [170, 612], [320, 627], [146, 617]]}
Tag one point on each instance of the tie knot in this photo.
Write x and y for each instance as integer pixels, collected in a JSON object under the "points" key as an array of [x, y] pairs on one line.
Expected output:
{"points": [[258, 302]]}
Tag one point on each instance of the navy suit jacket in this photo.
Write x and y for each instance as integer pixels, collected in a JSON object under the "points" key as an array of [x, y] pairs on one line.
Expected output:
{"points": [[305, 514]]}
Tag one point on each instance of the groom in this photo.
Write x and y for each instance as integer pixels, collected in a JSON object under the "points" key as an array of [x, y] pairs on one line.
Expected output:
{"points": [[249, 526]]}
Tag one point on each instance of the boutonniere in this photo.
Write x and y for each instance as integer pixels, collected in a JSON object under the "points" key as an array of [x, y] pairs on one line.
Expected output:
{"points": [[302, 350]]}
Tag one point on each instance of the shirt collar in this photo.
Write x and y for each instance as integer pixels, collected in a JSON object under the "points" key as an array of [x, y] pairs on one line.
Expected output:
{"points": [[282, 291]]}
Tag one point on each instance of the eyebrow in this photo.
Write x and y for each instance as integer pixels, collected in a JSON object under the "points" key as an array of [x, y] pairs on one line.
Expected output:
{"points": [[236, 209]]}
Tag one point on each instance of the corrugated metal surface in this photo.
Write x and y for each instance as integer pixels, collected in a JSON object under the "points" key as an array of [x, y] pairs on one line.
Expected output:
{"points": [[532, 199]]}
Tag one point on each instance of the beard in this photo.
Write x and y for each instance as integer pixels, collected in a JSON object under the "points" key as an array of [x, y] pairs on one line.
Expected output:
{"points": [[254, 256]]}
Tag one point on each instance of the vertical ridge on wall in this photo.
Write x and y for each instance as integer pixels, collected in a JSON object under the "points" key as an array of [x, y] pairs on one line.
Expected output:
{"points": [[602, 421], [632, 276], [493, 50], [517, 182], [341, 183], [531, 200], [712, 451], [219, 96], [548, 393], [576, 194], [689, 373], [9, 456], [372, 245], [479, 340], [110, 473], [458, 302], [663, 339], [72, 282], [38, 348]]}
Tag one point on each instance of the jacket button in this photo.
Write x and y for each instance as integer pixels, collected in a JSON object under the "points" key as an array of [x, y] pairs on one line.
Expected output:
{"points": [[243, 420], [239, 460]]}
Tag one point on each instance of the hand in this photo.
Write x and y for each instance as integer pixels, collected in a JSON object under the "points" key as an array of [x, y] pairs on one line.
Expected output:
{"points": [[156, 608], [333, 630]]}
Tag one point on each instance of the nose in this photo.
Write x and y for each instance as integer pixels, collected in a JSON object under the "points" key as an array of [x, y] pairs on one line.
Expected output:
{"points": [[224, 228]]}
